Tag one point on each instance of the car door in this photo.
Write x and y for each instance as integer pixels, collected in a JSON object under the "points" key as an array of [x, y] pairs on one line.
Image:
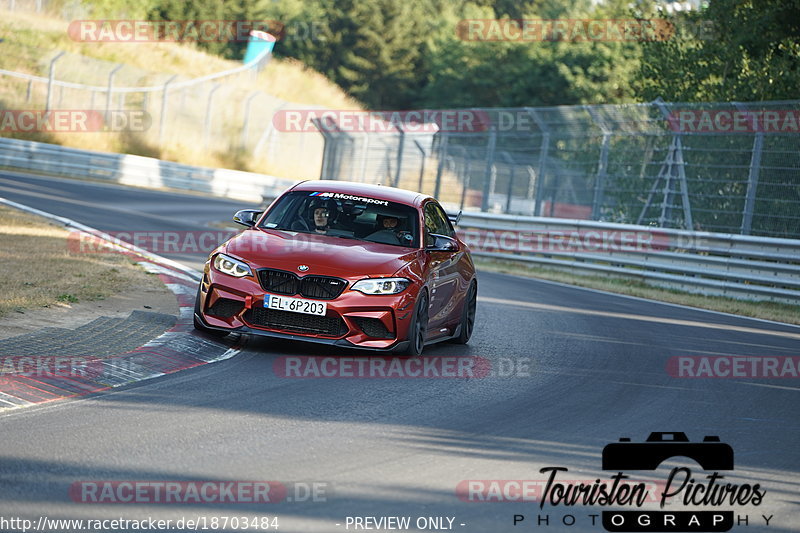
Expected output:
{"points": [[443, 271]]}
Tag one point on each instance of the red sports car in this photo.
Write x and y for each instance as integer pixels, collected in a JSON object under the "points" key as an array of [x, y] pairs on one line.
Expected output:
{"points": [[341, 263]]}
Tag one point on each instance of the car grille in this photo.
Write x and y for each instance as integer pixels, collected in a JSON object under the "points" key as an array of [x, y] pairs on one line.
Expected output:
{"points": [[373, 327], [225, 307], [287, 283], [332, 326]]}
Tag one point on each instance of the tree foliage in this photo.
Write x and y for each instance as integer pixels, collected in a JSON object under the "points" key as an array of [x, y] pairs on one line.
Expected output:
{"points": [[399, 54], [743, 50]]}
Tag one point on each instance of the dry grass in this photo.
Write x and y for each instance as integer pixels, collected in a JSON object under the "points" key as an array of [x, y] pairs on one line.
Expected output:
{"points": [[29, 41], [38, 269], [764, 310]]}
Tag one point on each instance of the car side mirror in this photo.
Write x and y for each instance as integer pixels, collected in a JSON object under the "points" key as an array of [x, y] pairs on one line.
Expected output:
{"points": [[247, 217], [442, 243]]}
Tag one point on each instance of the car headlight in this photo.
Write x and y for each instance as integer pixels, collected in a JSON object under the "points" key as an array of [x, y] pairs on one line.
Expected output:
{"points": [[381, 285], [233, 267]]}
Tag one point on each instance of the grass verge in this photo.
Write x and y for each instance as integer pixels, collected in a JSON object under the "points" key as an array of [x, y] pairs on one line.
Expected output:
{"points": [[765, 310], [38, 269], [30, 40]]}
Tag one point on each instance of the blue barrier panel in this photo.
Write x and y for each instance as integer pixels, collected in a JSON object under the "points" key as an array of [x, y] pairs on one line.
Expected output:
{"points": [[259, 46]]}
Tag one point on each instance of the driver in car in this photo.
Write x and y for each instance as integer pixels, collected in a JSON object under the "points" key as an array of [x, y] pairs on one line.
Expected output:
{"points": [[321, 216], [388, 230]]}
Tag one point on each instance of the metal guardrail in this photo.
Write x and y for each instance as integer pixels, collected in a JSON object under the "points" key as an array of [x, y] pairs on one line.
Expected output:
{"points": [[736, 266], [137, 171], [712, 263]]}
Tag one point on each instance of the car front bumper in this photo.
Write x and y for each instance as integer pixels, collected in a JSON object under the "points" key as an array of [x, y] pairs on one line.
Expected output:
{"points": [[353, 319]]}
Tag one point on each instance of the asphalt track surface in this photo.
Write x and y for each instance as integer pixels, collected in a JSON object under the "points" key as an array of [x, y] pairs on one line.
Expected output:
{"points": [[580, 369]]}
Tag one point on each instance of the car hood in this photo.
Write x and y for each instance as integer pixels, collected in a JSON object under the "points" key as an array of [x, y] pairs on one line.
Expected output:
{"points": [[324, 255]]}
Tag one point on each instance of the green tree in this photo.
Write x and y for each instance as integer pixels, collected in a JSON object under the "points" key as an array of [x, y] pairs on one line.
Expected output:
{"points": [[743, 50]]}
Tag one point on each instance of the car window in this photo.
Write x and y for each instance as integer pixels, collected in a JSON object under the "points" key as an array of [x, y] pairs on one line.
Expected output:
{"points": [[436, 222], [346, 216]]}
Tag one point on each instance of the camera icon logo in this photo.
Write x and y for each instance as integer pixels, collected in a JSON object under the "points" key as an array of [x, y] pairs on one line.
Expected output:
{"points": [[711, 454]]}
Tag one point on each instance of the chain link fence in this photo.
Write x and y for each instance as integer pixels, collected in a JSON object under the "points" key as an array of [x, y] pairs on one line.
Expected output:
{"points": [[226, 112], [719, 167]]}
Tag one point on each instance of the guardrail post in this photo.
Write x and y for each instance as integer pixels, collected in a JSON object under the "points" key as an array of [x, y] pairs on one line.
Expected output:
{"points": [[110, 87], [163, 119], [50, 80], [440, 169], [488, 173]]}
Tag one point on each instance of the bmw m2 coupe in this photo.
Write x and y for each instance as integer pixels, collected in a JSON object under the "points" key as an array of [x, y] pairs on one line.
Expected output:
{"points": [[346, 264]]}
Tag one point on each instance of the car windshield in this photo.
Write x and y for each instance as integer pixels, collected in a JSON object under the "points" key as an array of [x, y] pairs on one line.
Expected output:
{"points": [[347, 216]]}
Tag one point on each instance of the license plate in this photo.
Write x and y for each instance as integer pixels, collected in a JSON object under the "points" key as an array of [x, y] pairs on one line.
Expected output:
{"points": [[295, 305]]}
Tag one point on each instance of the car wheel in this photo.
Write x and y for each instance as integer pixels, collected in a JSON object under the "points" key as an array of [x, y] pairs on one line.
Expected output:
{"points": [[468, 315], [419, 327], [198, 324]]}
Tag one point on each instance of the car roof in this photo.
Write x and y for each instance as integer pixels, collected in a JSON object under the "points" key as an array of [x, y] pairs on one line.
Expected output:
{"points": [[379, 192]]}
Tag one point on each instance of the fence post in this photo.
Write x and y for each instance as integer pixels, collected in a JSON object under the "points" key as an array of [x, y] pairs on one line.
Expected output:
{"points": [[29, 91], [422, 165], [752, 179], [50, 79], [602, 164], [676, 156], [364, 154], [110, 86], [246, 121], [399, 155], [209, 109], [163, 119], [510, 188], [542, 167], [465, 182], [440, 169], [487, 175], [325, 148], [752, 183]]}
